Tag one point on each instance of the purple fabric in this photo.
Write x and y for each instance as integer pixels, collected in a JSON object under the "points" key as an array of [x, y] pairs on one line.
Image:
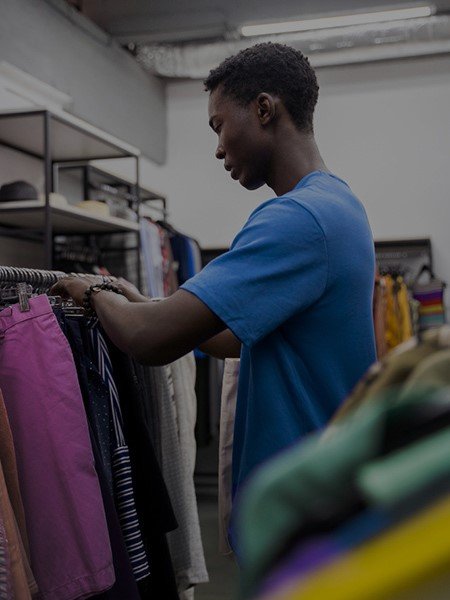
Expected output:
{"points": [[69, 542], [311, 555], [306, 558], [435, 295]]}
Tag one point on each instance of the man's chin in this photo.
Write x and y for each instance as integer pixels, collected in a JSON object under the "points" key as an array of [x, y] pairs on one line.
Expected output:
{"points": [[250, 185]]}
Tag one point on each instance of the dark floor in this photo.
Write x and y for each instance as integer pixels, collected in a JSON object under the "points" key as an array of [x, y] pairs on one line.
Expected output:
{"points": [[223, 573]]}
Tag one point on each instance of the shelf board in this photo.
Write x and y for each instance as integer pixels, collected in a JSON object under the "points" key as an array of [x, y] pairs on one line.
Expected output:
{"points": [[70, 137], [30, 214]]}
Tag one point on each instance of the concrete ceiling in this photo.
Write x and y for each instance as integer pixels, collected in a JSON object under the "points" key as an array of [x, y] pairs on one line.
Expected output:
{"points": [[154, 21]]}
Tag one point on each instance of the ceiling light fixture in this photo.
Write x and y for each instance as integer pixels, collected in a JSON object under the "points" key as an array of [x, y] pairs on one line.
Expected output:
{"points": [[337, 21]]}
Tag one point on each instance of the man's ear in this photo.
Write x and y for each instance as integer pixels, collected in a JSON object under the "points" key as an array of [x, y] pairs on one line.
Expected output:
{"points": [[266, 106]]}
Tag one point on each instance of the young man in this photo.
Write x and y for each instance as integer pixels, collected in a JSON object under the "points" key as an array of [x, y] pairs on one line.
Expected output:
{"points": [[293, 296]]}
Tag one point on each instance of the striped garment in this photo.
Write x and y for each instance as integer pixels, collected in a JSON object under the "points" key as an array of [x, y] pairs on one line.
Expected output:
{"points": [[121, 463], [431, 298]]}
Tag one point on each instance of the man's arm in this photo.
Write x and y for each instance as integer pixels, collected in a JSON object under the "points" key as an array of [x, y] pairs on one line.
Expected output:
{"points": [[223, 345], [154, 333]]}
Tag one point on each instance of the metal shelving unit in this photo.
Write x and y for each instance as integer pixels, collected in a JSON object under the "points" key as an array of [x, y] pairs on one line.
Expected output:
{"points": [[407, 256], [61, 141]]}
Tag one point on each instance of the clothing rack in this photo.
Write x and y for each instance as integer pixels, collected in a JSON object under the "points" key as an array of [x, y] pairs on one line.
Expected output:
{"points": [[39, 279], [20, 284], [67, 368]]}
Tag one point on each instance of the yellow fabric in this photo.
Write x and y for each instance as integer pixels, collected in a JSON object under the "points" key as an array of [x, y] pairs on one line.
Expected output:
{"points": [[379, 317], [435, 309], [398, 317], [414, 552], [406, 330]]}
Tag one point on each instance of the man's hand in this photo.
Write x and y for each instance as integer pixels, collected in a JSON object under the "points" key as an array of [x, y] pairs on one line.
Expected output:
{"points": [[74, 286], [130, 291]]}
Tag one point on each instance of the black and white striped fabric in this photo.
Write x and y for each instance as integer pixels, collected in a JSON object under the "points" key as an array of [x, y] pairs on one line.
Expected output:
{"points": [[126, 510], [121, 464]]}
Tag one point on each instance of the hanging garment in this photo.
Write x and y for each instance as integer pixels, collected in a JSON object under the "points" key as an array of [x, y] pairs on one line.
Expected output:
{"points": [[125, 585], [169, 266], [430, 295], [121, 463], [152, 500], [94, 392], [379, 316], [163, 396], [101, 403], [18, 572], [6, 591], [152, 258], [68, 535], [187, 254], [179, 451], [398, 316], [9, 464], [227, 414], [215, 378]]}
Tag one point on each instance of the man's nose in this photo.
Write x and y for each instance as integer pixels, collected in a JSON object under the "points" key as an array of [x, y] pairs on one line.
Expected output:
{"points": [[220, 154]]}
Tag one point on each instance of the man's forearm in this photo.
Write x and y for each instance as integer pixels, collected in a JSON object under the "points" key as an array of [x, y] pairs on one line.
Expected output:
{"points": [[156, 333]]}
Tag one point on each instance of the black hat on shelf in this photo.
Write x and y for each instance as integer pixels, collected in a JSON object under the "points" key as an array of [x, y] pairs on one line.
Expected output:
{"points": [[18, 190]]}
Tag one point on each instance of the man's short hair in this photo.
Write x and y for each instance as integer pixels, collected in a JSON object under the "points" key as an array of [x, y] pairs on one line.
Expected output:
{"points": [[275, 69]]}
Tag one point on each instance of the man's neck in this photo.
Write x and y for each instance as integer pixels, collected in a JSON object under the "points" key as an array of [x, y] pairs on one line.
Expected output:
{"points": [[295, 157]]}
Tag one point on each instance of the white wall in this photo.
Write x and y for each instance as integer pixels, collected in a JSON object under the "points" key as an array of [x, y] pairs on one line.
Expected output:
{"points": [[385, 127], [56, 44]]}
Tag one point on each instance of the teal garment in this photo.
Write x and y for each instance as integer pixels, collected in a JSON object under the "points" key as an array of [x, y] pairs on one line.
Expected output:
{"points": [[321, 476], [296, 288], [389, 479]]}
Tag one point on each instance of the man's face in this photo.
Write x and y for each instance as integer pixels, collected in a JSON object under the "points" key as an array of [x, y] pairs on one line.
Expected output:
{"points": [[241, 143]]}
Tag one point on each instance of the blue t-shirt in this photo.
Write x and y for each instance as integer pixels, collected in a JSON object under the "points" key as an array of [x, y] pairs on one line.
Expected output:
{"points": [[296, 287]]}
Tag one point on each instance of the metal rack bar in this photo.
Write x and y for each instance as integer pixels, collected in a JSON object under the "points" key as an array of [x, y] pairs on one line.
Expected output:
{"points": [[48, 186], [138, 233], [31, 235], [67, 161], [41, 277], [19, 149]]}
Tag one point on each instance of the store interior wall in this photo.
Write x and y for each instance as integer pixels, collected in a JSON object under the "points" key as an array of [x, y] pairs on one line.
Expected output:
{"points": [[50, 41]]}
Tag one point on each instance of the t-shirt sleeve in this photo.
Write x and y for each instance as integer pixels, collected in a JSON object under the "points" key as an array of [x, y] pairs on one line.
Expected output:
{"points": [[276, 267]]}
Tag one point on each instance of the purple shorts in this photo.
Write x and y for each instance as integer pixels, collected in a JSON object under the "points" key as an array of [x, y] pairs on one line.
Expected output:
{"points": [[66, 524]]}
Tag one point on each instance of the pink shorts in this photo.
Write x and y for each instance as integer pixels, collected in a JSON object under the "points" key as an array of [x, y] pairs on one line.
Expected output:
{"points": [[67, 529]]}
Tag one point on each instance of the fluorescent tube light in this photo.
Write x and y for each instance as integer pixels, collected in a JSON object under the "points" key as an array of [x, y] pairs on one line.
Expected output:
{"points": [[337, 21]]}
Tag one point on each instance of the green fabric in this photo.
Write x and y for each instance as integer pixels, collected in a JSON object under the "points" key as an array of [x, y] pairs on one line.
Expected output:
{"points": [[393, 478], [434, 372], [315, 474], [395, 370]]}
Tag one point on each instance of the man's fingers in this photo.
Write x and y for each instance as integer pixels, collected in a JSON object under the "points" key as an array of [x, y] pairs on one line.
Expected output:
{"points": [[59, 290]]}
